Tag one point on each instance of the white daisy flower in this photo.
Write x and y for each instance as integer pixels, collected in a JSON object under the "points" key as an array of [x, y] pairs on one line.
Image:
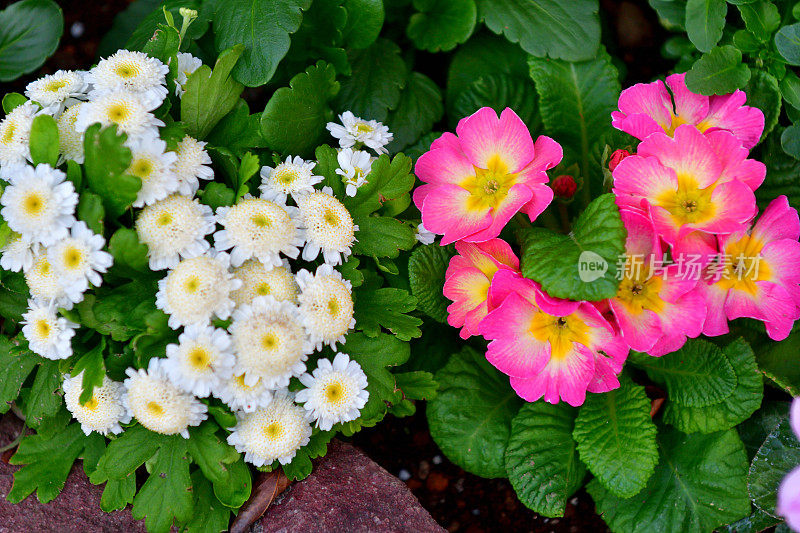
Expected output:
{"points": [[135, 72], [238, 395], [292, 177], [326, 305], [79, 258], [39, 204], [273, 433], [18, 253], [127, 110], [103, 412], [423, 235], [354, 167], [197, 289], [357, 131], [201, 360], [52, 90], [258, 228], [70, 140], [269, 341], [173, 229], [191, 165], [15, 134], [48, 334], [335, 392], [159, 405], [151, 163], [328, 226], [259, 279], [187, 64], [44, 284]]}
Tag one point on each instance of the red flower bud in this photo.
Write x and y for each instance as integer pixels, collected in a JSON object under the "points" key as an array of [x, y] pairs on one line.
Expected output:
{"points": [[616, 157], [564, 186]]}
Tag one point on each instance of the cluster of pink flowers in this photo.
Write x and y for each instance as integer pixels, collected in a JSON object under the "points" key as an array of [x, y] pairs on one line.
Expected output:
{"points": [[688, 189]]}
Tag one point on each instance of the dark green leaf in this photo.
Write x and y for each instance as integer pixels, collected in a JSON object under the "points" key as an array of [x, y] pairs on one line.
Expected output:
{"points": [[130, 255], [790, 140], [763, 92], [106, 160], [148, 25], [127, 453], [754, 430], [44, 399], [214, 457], [29, 33], [124, 25], [783, 177], [426, 270], [94, 370], [387, 180], [383, 237], [417, 385], [216, 195], [238, 131], [364, 22], [419, 108], [790, 89], [386, 308], [719, 71], [164, 43], [705, 20], [15, 366], [301, 466], [779, 454], [91, 211], [118, 493], [209, 516], [440, 25], [761, 18], [500, 91], [44, 141], [671, 13], [787, 41]]}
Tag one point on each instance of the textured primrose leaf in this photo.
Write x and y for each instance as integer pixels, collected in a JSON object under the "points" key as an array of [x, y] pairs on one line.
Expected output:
{"points": [[417, 385], [790, 140], [754, 430], [106, 160], [699, 484], [15, 366], [440, 25], [553, 28], [783, 177], [386, 308], [306, 102], [541, 458], [617, 438], [364, 22], [426, 270], [733, 410], [470, 418], [420, 106], [787, 41], [719, 71], [705, 20], [779, 454], [29, 33], [764, 93], [558, 261], [761, 19], [500, 91]]}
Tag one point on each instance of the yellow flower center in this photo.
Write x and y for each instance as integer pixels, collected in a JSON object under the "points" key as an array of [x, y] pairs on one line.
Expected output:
{"points": [[334, 392], [55, 85], [127, 70], [92, 404], [118, 113], [670, 128], [269, 341], [261, 221], [744, 266], [263, 289], [164, 219], [8, 135], [155, 409], [285, 176], [192, 284], [43, 328], [638, 292], [363, 127], [142, 168], [242, 385], [199, 357], [489, 187], [330, 218], [73, 257], [560, 331], [333, 307], [689, 204], [33, 204], [273, 431]]}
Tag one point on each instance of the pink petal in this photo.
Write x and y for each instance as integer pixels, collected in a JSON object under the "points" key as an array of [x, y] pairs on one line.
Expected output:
{"points": [[467, 289], [640, 330], [641, 240], [637, 178], [688, 153], [507, 282], [445, 212], [542, 196], [649, 99], [443, 165], [605, 375], [500, 251], [783, 260], [484, 137], [733, 157], [690, 107], [448, 140], [678, 321], [677, 280], [697, 248], [565, 379], [474, 318], [729, 113], [547, 154], [638, 125], [734, 205], [778, 221], [716, 322]]}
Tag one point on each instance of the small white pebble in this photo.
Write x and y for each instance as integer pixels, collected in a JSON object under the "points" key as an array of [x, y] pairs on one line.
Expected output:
{"points": [[437, 459], [476, 512], [404, 475], [574, 501], [77, 29]]}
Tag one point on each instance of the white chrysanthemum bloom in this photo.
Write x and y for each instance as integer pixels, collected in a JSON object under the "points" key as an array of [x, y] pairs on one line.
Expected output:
{"points": [[328, 227], [326, 305], [135, 72], [127, 110], [187, 64], [238, 395], [103, 412], [201, 360], [79, 259], [52, 90], [423, 235], [258, 228], [151, 163], [293, 176], [44, 284], [48, 334], [18, 253], [269, 341], [39, 204], [70, 140], [273, 433], [354, 130], [354, 167], [15, 134], [173, 229], [335, 392], [259, 279], [158, 404], [191, 165], [198, 289]]}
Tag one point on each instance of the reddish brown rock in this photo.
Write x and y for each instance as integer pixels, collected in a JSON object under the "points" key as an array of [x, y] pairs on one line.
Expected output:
{"points": [[347, 492]]}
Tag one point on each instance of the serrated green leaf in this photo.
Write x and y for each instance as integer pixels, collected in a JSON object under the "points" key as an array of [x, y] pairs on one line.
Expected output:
{"points": [[382, 237], [91, 210], [44, 140], [761, 19], [44, 399], [130, 255], [500, 91], [699, 484], [15, 366], [546, 27], [389, 179], [426, 271], [163, 44], [29, 33], [238, 486], [300, 467], [214, 457], [14, 295], [126, 453], [617, 438], [779, 454], [541, 458], [763, 92], [209, 515], [118, 493], [470, 418], [238, 131], [216, 195], [420, 106], [106, 161], [719, 71], [440, 25], [306, 101], [705, 20], [787, 41], [417, 385], [754, 430], [559, 262], [386, 308], [94, 370]]}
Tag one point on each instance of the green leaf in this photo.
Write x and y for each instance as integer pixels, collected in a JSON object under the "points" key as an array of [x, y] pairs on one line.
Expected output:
{"points": [[561, 263], [383, 237], [763, 92], [386, 308], [541, 459], [263, 27], [91, 211], [210, 95], [719, 71], [470, 418], [426, 271], [147, 26], [671, 13], [319, 38], [130, 255], [11, 101], [106, 160], [164, 43], [306, 102], [790, 140], [617, 438], [44, 141], [15, 366], [48, 461], [440, 25], [216, 195], [782, 177], [705, 20], [790, 89], [209, 516], [364, 22], [779, 454], [420, 106], [238, 131], [118, 493], [214, 457], [126, 453], [379, 75], [301, 466], [94, 370], [733, 410], [387, 180], [787, 41], [44, 399], [697, 375], [754, 430], [29, 33], [125, 22], [761, 19], [500, 91], [699, 484], [417, 385]]}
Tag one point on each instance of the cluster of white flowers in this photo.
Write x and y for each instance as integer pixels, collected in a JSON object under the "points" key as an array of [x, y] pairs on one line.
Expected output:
{"points": [[353, 134]]}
